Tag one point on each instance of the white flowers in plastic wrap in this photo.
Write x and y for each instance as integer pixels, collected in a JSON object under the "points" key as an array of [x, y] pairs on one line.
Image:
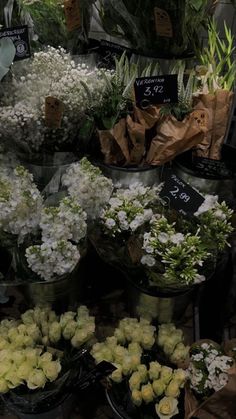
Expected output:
{"points": [[129, 209], [23, 359], [125, 347], [20, 202], [208, 368], [88, 187]]}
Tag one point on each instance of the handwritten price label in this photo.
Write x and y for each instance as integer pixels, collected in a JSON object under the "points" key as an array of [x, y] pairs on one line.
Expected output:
{"points": [[180, 195], [156, 90]]}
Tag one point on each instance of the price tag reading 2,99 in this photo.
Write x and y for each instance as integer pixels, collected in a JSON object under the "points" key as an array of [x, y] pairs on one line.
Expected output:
{"points": [[156, 90], [179, 195]]}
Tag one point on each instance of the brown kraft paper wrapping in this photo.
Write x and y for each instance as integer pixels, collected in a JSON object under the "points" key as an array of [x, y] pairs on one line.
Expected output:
{"points": [[223, 105], [208, 103], [174, 137], [114, 144], [136, 133], [148, 117]]}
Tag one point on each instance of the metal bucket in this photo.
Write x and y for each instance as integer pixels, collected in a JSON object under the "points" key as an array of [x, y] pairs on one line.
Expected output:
{"points": [[218, 186], [126, 176]]}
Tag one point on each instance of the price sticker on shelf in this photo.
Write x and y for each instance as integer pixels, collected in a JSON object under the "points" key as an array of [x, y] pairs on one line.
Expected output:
{"points": [[180, 195], [72, 14], [157, 90], [53, 112], [212, 168]]}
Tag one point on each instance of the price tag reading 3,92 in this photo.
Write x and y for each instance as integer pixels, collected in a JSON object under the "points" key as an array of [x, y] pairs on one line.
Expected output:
{"points": [[180, 196], [156, 90]]}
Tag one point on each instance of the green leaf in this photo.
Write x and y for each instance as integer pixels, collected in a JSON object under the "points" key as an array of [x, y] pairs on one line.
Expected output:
{"points": [[7, 54]]}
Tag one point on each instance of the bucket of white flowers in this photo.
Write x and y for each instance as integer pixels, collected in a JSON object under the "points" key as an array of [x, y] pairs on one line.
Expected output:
{"points": [[41, 361], [162, 253], [147, 382]]}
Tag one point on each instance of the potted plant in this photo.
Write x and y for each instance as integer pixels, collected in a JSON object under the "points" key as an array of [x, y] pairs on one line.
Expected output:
{"points": [[41, 359]]}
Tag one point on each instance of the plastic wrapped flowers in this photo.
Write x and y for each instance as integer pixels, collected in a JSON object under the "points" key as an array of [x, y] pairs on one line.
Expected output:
{"points": [[157, 247], [141, 384], [40, 357]]}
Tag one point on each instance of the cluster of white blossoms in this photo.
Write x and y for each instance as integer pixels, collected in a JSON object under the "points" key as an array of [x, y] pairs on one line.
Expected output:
{"points": [[88, 187], [51, 260], [180, 254], [65, 222], [171, 340], [208, 368], [129, 209], [125, 347], [50, 73], [22, 358], [157, 384], [20, 202]]}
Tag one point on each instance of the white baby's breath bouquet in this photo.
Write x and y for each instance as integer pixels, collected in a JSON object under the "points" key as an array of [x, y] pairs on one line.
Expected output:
{"points": [[41, 357]]}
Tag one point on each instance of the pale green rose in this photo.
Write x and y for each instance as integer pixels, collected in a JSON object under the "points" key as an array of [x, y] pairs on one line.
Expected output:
{"points": [[134, 348], [22, 329], [144, 322], [66, 318], [180, 354], [117, 375], [12, 378], [147, 393], [4, 344], [120, 336], [45, 328], [161, 339], [142, 369], [111, 342], [166, 374], [137, 397], [135, 361], [19, 357], [82, 311], [159, 387], [107, 354], [148, 341], [69, 330], [24, 370], [180, 376], [99, 357], [19, 341], [38, 315], [32, 356], [172, 390], [55, 332], [51, 369], [34, 332], [134, 335], [45, 357], [28, 342], [79, 338], [135, 381], [154, 370], [28, 317], [52, 317], [37, 379], [5, 367], [13, 333], [5, 355], [42, 317], [119, 353], [45, 341], [3, 386], [127, 365], [167, 408]]}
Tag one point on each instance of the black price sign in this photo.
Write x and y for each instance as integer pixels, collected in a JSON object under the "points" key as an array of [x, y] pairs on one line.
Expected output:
{"points": [[212, 168], [20, 37], [180, 196], [108, 51], [156, 90], [103, 369]]}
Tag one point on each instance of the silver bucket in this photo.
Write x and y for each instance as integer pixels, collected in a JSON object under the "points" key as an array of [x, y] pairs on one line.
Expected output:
{"points": [[126, 176], [218, 186]]}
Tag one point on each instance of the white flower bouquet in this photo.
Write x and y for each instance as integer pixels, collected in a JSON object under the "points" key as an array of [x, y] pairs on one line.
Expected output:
{"points": [[142, 386], [211, 385], [160, 250], [41, 357]]}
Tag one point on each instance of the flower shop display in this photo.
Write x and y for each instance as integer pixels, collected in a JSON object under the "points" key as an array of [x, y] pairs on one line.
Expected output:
{"points": [[212, 378], [41, 358], [164, 29], [143, 385]]}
